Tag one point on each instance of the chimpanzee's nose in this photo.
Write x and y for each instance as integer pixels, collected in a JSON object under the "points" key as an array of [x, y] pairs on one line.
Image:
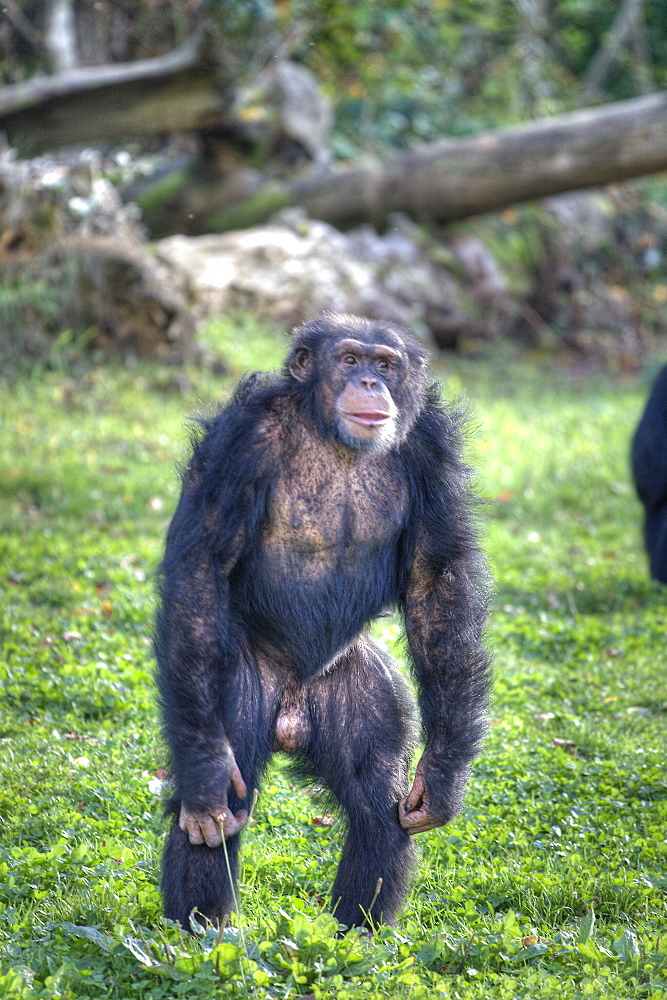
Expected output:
{"points": [[368, 382]]}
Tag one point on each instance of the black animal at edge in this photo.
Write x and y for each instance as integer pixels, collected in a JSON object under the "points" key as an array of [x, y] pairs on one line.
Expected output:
{"points": [[649, 468], [319, 497]]}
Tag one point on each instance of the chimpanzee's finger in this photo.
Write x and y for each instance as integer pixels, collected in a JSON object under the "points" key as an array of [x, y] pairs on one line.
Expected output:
{"points": [[211, 831], [418, 821], [415, 796], [238, 784], [189, 823], [231, 824]]}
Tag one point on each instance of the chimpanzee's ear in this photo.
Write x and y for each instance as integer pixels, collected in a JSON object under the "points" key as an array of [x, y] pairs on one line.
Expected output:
{"points": [[300, 364]]}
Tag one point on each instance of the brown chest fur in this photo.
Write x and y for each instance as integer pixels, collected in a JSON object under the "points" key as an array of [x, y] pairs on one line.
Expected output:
{"points": [[325, 500]]}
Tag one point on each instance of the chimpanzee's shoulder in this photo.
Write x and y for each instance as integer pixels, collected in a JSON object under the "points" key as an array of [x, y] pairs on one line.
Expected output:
{"points": [[440, 429], [256, 398]]}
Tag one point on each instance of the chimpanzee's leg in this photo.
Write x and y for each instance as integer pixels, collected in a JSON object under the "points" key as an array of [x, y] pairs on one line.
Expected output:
{"points": [[360, 745], [195, 875]]}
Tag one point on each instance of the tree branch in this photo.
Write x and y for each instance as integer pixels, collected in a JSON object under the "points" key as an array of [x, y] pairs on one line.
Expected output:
{"points": [[619, 33], [60, 37], [182, 90], [21, 23]]}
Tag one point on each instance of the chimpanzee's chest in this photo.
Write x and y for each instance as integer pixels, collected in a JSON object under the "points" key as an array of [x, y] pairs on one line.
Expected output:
{"points": [[327, 511]]}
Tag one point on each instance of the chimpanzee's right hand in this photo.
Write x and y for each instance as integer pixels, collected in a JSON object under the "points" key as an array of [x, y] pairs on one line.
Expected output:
{"points": [[206, 826]]}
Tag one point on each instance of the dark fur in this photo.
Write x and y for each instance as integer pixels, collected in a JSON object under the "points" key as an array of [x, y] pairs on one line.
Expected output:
{"points": [[284, 546], [649, 467]]}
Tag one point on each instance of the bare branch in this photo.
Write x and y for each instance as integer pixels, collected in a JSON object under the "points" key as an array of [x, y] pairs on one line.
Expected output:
{"points": [[21, 24], [619, 33], [60, 37]]}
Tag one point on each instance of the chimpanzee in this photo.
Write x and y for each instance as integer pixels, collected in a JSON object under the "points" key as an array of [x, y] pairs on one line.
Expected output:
{"points": [[318, 498], [649, 468]]}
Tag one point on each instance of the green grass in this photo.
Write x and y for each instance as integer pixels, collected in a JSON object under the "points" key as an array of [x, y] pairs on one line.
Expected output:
{"points": [[552, 882]]}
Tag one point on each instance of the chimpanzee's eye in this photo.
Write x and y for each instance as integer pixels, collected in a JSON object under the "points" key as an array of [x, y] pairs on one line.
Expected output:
{"points": [[382, 366], [349, 359]]}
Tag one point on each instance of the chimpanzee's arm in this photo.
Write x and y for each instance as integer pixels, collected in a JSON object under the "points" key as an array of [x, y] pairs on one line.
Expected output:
{"points": [[444, 615], [196, 644], [444, 606]]}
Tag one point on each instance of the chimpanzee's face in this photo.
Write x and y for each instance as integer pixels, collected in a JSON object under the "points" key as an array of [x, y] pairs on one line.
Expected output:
{"points": [[362, 375], [368, 383]]}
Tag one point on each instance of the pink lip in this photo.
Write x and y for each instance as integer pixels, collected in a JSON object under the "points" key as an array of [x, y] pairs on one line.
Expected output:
{"points": [[368, 419]]}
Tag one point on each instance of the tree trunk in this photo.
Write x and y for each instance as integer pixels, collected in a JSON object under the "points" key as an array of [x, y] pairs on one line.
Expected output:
{"points": [[452, 180], [444, 181]]}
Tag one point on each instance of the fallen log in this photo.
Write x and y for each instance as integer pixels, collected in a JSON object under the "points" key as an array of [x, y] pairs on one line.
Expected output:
{"points": [[432, 183], [180, 91], [444, 181]]}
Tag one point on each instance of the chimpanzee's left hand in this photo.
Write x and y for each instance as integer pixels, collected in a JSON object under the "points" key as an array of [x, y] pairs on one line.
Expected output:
{"points": [[208, 824], [429, 805]]}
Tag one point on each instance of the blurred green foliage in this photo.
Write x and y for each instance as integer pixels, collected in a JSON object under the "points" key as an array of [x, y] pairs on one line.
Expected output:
{"points": [[399, 71], [405, 71]]}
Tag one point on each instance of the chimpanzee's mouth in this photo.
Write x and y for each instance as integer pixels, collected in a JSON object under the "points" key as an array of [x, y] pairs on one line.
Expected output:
{"points": [[369, 418]]}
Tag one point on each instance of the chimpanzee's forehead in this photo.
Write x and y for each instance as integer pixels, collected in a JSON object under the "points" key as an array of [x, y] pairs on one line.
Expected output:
{"points": [[356, 346], [370, 336]]}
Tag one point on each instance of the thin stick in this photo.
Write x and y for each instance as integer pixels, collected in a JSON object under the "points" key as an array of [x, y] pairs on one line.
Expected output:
{"points": [[221, 824], [465, 954], [221, 930], [255, 796], [367, 913], [378, 887]]}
